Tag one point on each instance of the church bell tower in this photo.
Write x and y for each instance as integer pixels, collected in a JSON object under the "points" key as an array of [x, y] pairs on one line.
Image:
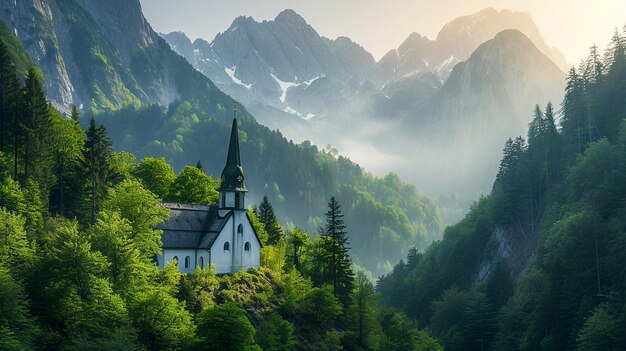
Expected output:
{"points": [[232, 191]]}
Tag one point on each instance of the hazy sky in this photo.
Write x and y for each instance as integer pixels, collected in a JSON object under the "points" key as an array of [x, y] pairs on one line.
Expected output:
{"points": [[381, 25]]}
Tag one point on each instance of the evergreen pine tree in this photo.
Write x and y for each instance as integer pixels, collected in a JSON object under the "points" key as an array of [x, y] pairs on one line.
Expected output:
{"points": [[266, 215], [335, 251], [97, 155], [75, 113], [10, 98], [6, 69], [36, 126]]}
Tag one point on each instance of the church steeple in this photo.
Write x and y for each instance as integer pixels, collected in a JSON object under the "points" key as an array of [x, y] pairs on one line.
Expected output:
{"points": [[232, 175]]}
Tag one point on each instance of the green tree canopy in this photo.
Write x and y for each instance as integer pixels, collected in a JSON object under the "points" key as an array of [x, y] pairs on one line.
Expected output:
{"points": [[225, 328], [156, 175], [192, 186]]}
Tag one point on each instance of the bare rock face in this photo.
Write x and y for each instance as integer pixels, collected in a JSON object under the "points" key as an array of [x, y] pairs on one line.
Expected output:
{"points": [[32, 22], [100, 54]]}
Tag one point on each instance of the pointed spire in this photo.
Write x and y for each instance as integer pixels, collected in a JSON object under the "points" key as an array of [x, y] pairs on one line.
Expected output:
{"points": [[232, 175]]}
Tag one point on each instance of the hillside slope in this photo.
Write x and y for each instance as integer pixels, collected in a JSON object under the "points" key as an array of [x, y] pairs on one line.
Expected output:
{"points": [[539, 263]]}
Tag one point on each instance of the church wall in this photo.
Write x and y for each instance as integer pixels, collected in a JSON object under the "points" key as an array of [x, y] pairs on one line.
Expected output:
{"points": [[251, 258], [242, 259], [167, 256], [220, 258]]}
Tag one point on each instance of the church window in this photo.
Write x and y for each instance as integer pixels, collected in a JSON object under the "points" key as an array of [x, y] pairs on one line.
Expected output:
{"points": [[201, 262], [187, 262], [223, 200], [240, 229], [175, 259], [237, 200], [226, 246], [247, 246]]}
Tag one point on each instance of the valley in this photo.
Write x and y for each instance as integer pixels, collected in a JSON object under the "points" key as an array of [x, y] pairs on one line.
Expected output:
{"points": [[276, 189]]}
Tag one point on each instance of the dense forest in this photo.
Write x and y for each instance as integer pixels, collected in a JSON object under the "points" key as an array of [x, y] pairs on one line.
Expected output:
{"points": [[155, 104], [77, 248], [385, 214], [538, 264]]}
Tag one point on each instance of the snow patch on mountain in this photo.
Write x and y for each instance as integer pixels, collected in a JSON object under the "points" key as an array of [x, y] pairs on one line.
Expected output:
{"points": [[284, 87], [231, 74]]}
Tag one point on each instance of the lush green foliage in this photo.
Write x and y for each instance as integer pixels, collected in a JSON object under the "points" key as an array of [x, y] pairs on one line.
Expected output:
{"points": [[265, 213], [297, 179], [539, 263], [77, 248]]}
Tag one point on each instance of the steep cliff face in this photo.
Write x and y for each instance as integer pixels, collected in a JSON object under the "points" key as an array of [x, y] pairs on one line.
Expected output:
{"points": [[100, 54], [33, 22]]}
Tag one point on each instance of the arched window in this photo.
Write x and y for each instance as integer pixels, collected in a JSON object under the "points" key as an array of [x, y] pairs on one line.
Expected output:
{"points": [[226, 246], [187, 259], [201, 262], [175, 259], [246, 246], [240, 229]]}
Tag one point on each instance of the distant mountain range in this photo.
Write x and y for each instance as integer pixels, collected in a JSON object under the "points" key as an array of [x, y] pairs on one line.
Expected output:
{"points": [[431, 110], [282, 63], [287, 65]]}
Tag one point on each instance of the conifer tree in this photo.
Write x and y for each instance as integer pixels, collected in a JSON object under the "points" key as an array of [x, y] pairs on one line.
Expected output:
{"points": [[36, 127], [10, 98], [266, 215], [75, 114], [98, 154], [6, 69], [335, 250], [574, 111]]}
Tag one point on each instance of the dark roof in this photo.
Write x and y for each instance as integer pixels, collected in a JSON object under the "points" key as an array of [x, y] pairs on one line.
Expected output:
{"points": [[232, 175], [191, 226]]}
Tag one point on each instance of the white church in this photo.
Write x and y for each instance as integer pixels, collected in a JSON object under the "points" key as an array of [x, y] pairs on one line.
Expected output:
{"points": [[221, 235]]}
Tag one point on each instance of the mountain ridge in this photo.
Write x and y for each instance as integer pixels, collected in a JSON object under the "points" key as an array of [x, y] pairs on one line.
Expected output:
{"points": [[402, 93]]}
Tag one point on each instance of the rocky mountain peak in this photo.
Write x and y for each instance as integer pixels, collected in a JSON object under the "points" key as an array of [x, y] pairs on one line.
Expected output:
{"points": [[464, 34], [289, 16], [241, 21]]}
